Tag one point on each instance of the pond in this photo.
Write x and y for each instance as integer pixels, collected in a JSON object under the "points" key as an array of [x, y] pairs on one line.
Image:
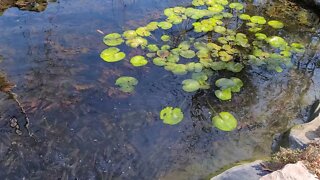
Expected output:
{"points": [[74, 123]]}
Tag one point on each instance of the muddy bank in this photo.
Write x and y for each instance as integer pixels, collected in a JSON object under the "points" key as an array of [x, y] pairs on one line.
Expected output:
{"points": [[29, 5]]}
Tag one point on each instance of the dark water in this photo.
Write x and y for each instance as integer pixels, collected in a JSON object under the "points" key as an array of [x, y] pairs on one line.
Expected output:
{"points": [[82, 127]]}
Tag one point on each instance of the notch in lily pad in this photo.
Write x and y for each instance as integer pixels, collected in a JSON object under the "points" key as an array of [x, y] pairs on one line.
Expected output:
{"points": [[126, 83], [112, 54], [171, 115], [225, 121]]}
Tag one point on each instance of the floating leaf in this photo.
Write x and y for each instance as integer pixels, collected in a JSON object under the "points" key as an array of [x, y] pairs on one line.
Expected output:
{"points": [[224, 56], [297, 47], [165, 38], [163, 53], [225, 121], [224, 94], [152, 48], [187, 54], [137, 41], [261, 36], [275, 24], [126, 83], [237, 84], [219, 29], [138, 61], [143, 31], [258, 19], [129, 34], [152, 26], [277, 42], [224, 83], [159, 61], [216, 8], [171, 115], [164, 25], [112, 55], [237, 6], [190, 85], [244, 17], [113, 39]]}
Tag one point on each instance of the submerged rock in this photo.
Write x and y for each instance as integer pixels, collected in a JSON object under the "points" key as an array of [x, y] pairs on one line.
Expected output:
{"points": [[30, 5], [301, 135], [250, 171], [295, 171]]}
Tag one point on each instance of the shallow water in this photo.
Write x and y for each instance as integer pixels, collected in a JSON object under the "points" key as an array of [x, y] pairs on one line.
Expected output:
{"points": [[83, 127]]}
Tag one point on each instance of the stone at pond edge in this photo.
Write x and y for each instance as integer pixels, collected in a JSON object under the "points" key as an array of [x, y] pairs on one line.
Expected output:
{"points": [[250, 171], [301, 135], [295, 171]]}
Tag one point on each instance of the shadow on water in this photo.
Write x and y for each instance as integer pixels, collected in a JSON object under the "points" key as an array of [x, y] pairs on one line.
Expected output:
{"points": [[81, 126]]}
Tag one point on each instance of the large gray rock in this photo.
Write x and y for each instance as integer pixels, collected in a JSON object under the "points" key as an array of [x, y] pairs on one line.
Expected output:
{"points": [[295, 171], [250, 171], [301, 135]]}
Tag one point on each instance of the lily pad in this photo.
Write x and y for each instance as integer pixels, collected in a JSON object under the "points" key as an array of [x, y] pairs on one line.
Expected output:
{"points": [[244, 17], [152, 48], [138, 61], [130, 34], [159, 61], [297, 47], [152, 26], [190, 85], [143, 31], [258, 19], [164, 25], [171, 115], [277, 42], [165, 38], [275, 24], [220, 29], [187, 54], [237, 6], [113, 39], [137, 41], [224, 94], [112, 54], [225, 121], [126, 83], [261, 36]]}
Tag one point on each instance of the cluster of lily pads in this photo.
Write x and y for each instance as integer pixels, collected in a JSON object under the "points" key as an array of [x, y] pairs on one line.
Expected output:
{"points": [[224, 48]]}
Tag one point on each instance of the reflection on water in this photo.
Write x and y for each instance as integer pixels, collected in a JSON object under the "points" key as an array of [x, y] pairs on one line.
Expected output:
{"points": [[84, 127]]}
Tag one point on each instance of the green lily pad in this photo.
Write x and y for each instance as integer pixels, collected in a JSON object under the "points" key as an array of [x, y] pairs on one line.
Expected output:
{"points": [[297, 47], [225, 121], [137, 41], [165, 38], [224, 83], [159, 61], [277, 42], [143, 31], [238, 84], [164, 25], [220, 29], [113, 39], [237, 6], [224, 56], [261, 36], [244, 17], [152, 48], [171, 115], [152, 26], [258, 19], [138, 61], [112, 55], [187, 54], [197, 2], [163, 53], [275, 24], [126, 83], [224, 94], [190, 85], [216, 8], [130, 34], [234, 67]]}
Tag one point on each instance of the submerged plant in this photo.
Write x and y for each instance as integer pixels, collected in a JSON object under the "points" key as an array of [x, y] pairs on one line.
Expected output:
{"points": [[224, 48]]}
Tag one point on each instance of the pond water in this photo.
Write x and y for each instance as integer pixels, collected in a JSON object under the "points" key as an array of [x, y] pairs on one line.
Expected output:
{"points": [[81, 126]]}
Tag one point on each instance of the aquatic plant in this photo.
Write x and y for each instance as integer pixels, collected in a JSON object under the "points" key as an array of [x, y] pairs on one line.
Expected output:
{"points": [[228, 48]]}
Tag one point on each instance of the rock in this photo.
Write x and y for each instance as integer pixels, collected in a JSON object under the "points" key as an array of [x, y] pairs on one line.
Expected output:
{"points": [[295, 171], [250, 171], [301, 135]]}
